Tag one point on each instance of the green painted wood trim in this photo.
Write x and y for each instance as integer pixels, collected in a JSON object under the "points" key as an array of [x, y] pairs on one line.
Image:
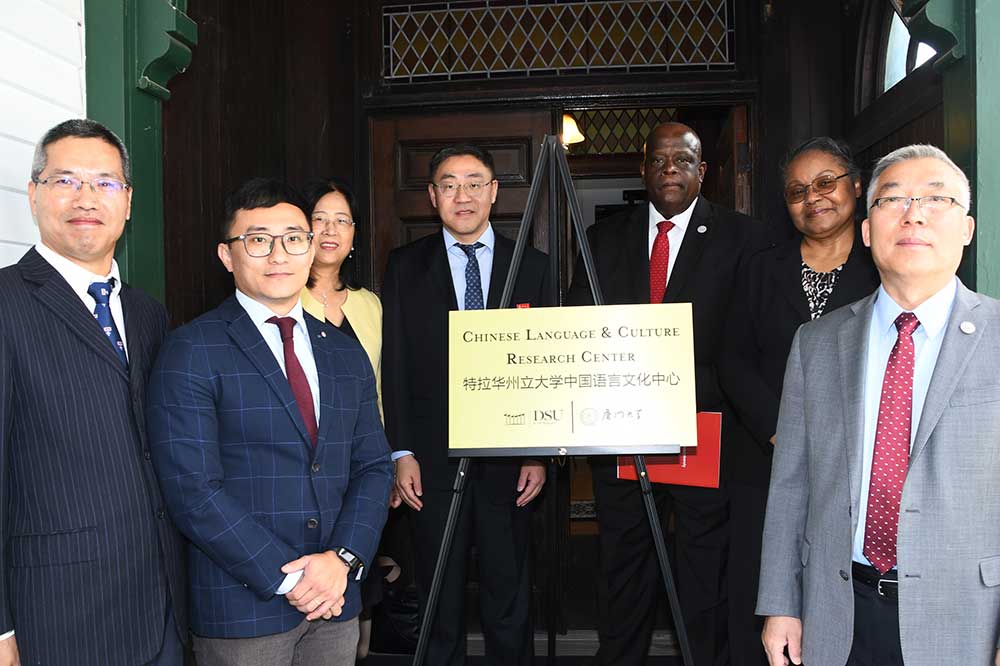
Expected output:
{"points": [[134, 48], [987, 102]]}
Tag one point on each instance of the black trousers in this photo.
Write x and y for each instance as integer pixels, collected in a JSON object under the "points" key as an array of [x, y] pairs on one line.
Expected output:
{"points": [[747, 504], [630, 581], [501, 533], [876, 630]]}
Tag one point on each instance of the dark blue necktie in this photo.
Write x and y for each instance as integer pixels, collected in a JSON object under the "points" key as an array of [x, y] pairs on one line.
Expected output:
{"points": [[473, 283], [101, 291]]}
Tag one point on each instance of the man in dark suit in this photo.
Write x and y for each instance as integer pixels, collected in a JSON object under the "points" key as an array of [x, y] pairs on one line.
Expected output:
{"points": [[92, 570], [265, 432], [681, 248], [463, 267]]}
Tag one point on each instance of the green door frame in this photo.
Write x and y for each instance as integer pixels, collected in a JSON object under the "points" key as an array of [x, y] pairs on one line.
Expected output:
{"points": [[133, 49]]}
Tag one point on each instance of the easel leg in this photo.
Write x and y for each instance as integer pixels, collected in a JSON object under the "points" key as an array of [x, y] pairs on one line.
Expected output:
{"points": [[442, 561], [661, 554]]}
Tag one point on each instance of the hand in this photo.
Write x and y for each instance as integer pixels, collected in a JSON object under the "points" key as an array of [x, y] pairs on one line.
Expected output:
{"points": [[8, 652], [394, 498], [996, 660], [772, 439], [530, 482], [779, 631], [321, 588], [408, 482]]}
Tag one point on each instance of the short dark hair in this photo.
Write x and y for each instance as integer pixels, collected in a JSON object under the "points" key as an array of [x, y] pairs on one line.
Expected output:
{"points": [[79, 128], [259, 193], [462, 149], [835, 148], [314, 191]]}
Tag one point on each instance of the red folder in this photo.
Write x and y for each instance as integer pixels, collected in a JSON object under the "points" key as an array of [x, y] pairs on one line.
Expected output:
{"points": [[693, 466]]}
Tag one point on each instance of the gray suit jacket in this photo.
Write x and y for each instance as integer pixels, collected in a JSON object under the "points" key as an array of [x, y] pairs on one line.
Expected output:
{"points": [[948, 544]]}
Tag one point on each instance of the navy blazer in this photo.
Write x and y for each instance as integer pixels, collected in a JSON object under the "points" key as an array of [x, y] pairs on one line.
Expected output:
{"points": [[241, 477], [88, 557]]}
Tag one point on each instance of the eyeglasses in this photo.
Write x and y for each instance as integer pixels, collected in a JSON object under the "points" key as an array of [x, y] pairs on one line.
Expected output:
{"points": [[342, 223], [821, 185], [929, 204], [448, 190], [261, 245], [67, 184]]}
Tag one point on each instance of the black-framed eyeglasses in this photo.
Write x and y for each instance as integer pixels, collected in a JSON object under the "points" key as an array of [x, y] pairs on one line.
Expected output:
{"points": [[820, 185], [66, 184], [449, 190], [934, 203], [261, 245]]}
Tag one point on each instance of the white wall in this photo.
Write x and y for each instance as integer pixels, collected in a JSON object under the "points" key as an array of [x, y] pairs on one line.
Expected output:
{"points": [[42, 83], [600, 191]]}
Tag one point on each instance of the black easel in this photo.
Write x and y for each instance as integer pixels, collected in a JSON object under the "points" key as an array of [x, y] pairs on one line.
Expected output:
{"points": [[552, 156]]}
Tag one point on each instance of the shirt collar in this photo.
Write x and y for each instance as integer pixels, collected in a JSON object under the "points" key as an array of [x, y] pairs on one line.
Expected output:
{"points": [[260, 313], [78, 277], [932, 314], [488, 238], [680, 220]]}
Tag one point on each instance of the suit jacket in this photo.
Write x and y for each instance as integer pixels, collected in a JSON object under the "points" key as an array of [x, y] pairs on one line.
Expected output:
{"points": [[89, 557], [704, 274], [769, 306], [364, 312], [948, 543], [240, 474], [417, 294]]}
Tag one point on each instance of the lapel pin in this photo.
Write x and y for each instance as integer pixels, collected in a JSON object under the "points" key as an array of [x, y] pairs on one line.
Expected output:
{"points": [[322, 334], [702, 229], [967, 327]]}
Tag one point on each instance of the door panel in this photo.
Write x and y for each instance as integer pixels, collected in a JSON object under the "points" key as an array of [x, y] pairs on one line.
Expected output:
{"points": [[402, 146]]}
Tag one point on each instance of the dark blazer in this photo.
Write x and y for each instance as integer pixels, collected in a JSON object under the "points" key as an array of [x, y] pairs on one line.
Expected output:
{"points": [[88, 555], [769, 307], [704, 274], [417, 294], [241, 477]]}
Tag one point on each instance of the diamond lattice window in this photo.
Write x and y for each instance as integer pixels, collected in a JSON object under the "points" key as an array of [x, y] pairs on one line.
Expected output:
{"points": [[617, 131], [502, 38]]}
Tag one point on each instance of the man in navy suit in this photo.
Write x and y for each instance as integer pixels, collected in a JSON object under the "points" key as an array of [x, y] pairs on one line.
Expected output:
{"points": [[91, 570], [267, 439]]}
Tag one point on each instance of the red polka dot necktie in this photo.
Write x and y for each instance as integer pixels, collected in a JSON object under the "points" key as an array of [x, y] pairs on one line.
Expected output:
{"points": [[892, 449], [659, 261], [296, 375]]}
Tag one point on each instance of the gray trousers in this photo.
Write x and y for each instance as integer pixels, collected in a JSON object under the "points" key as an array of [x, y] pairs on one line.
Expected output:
{"points": [[318, 643]]}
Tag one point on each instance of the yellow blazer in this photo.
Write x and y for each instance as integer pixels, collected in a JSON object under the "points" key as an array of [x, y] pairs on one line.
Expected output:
{"points": [[363, 309]]}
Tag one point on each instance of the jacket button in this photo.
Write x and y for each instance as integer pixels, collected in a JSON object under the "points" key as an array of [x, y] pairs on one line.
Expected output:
{"points": [[160, 514], [312, 523], [146, 454], [315, 467], [843, 574]]}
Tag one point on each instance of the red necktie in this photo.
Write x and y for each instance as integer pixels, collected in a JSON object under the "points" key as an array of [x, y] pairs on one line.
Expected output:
{"points": [[296, 376], [892, 449], [659, 260]]}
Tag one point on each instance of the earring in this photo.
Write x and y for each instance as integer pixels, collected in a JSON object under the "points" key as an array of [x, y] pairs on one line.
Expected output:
{"points": [[351, 253]]}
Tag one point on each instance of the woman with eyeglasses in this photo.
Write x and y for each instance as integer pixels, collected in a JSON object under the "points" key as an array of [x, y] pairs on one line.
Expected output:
{"points": [[825, 266], [332, 292]]}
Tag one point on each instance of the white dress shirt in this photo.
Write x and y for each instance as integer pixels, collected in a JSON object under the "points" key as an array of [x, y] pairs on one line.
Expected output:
{"points": [[80, 279], [675, 235], [259, 314], [882, 334]]}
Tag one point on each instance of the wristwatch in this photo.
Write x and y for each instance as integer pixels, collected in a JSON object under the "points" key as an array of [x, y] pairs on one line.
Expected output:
{"points": [[354, 564]]}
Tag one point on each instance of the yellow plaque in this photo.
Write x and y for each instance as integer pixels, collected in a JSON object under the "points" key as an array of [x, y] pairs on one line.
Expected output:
{"points": [[571, 380]]}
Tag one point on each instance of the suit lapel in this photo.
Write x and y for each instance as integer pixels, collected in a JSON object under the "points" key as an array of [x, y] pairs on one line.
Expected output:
{"points": [[788, 275], [956, 350], [439, 271], [326, 371], [852, 337], [55, 294], [244, 333], [136, 338], [503, 253], [691, 248], [635, 258]]}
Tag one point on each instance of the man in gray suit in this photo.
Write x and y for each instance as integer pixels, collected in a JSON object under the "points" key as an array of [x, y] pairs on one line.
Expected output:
{"points": [[882, 536]]}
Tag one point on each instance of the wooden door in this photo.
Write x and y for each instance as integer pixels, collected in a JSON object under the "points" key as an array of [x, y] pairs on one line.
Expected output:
{"points": [[402, 145], [732, 182]]}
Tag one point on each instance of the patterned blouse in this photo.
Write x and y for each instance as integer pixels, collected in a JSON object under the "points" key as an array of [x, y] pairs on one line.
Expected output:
{"points": [[818, 287]]}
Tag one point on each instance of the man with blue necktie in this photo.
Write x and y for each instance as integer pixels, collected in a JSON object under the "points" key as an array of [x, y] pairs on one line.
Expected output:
{"points": [[462, 267], [91, 568], [266, 435]]}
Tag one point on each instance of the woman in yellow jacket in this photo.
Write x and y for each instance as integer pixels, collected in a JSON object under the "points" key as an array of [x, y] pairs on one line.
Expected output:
{"points": [[333, 292]]}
